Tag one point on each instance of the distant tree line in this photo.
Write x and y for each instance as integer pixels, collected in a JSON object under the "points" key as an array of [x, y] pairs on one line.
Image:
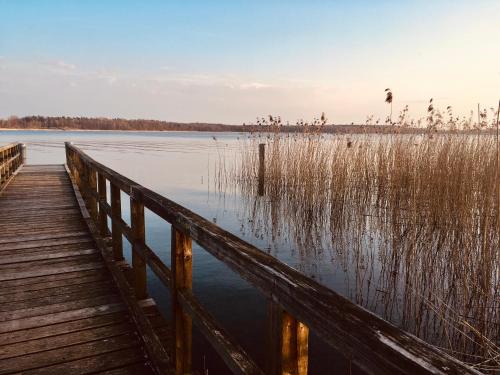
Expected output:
{"points": [[86, 123], [99, 123]]}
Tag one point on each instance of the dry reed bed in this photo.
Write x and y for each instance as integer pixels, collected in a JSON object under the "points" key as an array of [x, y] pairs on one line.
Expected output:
{"points": [[412, 220]]}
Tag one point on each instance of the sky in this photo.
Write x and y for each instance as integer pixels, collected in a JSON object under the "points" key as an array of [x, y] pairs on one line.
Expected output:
{"points": [[233, 61]]}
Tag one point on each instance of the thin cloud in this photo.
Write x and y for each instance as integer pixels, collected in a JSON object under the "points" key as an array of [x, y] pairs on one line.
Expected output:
{"points": [[65, 65], [255, 85]]}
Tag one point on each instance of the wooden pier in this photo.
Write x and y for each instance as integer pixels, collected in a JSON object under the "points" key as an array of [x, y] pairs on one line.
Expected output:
{"points": [[71, 304]]}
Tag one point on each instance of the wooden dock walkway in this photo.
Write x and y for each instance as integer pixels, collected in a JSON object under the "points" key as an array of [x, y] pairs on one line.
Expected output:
{"points": [[70, 303], [60, 311]]}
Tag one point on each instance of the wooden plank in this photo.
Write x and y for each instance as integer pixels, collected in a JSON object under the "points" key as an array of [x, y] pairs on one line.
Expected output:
{"points": [[22, 292], [32, 229], [46, 243], [49, 263], [40, 256], [32, 283], [44, 271], [30, 204], [48, 250], [35, 224], [69, 295], [17, 315], [63, 340], [53, 317], [36, 207], [138, 368], [26, 335], [94, 364], [32, 216], [69, 353]]}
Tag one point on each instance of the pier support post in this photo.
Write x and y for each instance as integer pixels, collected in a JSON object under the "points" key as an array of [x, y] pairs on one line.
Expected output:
{"points": [[23, 154], [288, 341], [182, 279], [92, 192], [138, 237], [1, 167], [116, 214], [9, 167], [103, 217], [262, 166]]}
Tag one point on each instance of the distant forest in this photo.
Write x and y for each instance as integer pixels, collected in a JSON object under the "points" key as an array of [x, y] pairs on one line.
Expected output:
{"points": [[85, 123]]}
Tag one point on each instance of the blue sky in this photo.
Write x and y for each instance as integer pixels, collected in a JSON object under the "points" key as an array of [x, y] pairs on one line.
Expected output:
{"points": [[231, 61]]}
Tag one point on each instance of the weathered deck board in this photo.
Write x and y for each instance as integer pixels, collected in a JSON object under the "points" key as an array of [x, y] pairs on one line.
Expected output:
{"points": [[60, 310]]}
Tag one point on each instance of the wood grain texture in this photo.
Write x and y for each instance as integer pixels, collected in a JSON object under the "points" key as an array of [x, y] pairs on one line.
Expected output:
{"points": [[182, 271], [61, 311]]}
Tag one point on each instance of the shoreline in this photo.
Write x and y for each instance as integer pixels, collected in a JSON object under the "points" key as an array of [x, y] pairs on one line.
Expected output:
{"points": [[351, 130], [117, 130]]}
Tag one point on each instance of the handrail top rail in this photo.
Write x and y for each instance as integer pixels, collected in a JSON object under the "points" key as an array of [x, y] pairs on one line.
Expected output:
{"points": [[10, 145], [370, 341]]}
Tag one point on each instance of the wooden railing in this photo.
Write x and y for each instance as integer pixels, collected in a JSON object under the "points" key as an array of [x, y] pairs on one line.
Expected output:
{"points": [[11, 158], [296, 302]]}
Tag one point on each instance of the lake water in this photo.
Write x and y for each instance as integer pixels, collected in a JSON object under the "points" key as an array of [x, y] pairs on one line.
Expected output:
{"points": [[183, 166]]}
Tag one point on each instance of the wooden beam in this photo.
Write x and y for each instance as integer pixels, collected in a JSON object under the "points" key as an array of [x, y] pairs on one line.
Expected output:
{"points": [[138, 235], [287, 343], [116, 212], [103, 217], [92, 192], [181, 255]]}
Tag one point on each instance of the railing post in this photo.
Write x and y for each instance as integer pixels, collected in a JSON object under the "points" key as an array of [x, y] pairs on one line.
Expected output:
{"points": [[92, 178], [77, 166], [103, 217], [84, 181], [181, 264], [9, 151], [288, 343], [23, 154], [15, 153], [116, 213], [19, 155], [2, 168], [138, 239]]}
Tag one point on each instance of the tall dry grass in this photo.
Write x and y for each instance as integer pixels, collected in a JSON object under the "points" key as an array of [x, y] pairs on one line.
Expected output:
{"points": [[413, 220]]}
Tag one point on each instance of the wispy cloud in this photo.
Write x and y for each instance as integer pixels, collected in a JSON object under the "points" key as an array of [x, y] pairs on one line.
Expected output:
{"points": [[65, 65], [255, 85], [198, 79]]}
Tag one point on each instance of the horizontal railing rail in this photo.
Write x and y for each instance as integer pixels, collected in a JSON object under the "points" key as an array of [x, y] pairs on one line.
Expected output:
{"points": [[11, 159], [296, 302]]}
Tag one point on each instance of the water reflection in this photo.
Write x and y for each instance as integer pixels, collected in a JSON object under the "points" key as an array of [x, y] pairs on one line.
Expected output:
{"points": [[421, 254]]}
